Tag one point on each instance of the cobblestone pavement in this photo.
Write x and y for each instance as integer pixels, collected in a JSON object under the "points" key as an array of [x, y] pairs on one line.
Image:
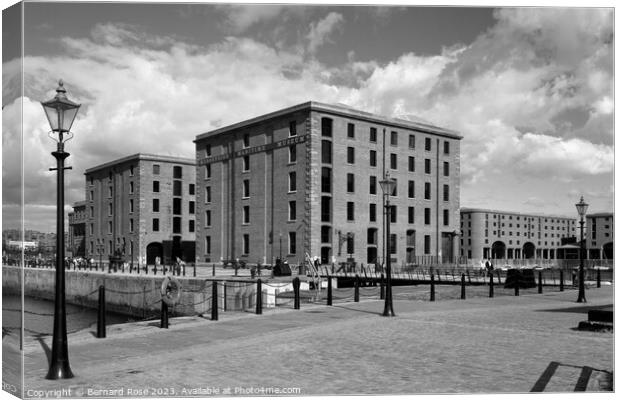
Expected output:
{"points": [[478, 345]]}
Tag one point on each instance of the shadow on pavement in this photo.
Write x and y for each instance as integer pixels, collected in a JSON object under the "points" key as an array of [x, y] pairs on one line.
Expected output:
{"points": [[577, 309]]}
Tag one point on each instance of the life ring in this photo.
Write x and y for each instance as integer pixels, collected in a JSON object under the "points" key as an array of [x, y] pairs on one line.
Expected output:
{"points": [[170, 290]]}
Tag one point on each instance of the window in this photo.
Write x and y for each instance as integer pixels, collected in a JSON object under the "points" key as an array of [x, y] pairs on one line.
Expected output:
{"points": [[427, 144], [92, 195], [176, 225], [176, 206], [412, 141], [131, 170], [446, 147], [446, 217], [350, 183], [395, 191], [207, 171], [411, 164], [392, 243], [350, 155], [411, 190], [326, 207], [246, 244], [246, 214], [411, 238], [246, 188], [326, 180], [156, 186], [427, 216], [350, 244], [326, 127], [208, 218], [393, 214], [351, 130], [155, 224], [326, 152], [373, 135], [446, 192], [427, 165], [177, 172], [292, 210], [109, 208], [292, 181], [325, 234], [191, 225], [208, 244], [192, 189], [130, 205], [246, 163], [372, 212], [446, 168], [292, 243], [208, 150], [177, 188], [130, 187], [208, 194], [350, 211], [373, 158], [92, 229], [427, 244], [394, 138], [411, 215], [192, 207], [155, 205], [92, 212], [155, 169], [110, 191], [371, 236], [373, 184], [393, 161], [90, 179], [427, 190], [292, 154], [246, 140]]}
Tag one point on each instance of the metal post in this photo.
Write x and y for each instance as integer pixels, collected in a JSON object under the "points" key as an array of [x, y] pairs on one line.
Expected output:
{"points": [[388, 309], [259, 296], [356, 293], [540, 282], [296, 304], [462, 286], [59, 365], [382, 288], [214, 310], [517, 288], [212, 270], [582, 289], [101, 313], [491, 285], [561, 280], [164, 315], [432, 287], [329, 290], [598, 278]]}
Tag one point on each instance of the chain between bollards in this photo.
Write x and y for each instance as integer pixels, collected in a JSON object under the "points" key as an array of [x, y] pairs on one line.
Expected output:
{"points": [[101, 313], [432, 287], [214, 310]]}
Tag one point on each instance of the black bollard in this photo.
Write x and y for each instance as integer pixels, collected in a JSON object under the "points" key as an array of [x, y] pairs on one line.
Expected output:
{"points": [[101, 313], [517, 288], [598, 278], [356, 293], [561, 280], [164, 315], [329, 291], [540, 283], [259, 297], [462, 286], [296, 283], [432, 287], [491, 285], [382, 289], [214, 309]]}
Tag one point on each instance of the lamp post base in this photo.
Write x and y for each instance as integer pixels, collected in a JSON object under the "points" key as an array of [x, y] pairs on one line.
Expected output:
{"points": [[59, 370]]}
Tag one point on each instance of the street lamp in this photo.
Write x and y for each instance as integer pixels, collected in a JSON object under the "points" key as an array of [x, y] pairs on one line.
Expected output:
{"points": [[387, 186], [582, 207], [60, 112]]}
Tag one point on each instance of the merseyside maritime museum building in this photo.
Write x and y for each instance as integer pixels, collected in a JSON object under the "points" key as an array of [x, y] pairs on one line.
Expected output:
{"points": [[306, 180]]}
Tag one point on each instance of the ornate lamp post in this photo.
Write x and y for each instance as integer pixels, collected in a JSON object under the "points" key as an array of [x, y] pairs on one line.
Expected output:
{"points": [[387, 186], [582, 207], [60, 112]]}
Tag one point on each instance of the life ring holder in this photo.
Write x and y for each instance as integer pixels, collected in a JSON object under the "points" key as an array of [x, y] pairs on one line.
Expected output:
{"points": [[170, 290]]}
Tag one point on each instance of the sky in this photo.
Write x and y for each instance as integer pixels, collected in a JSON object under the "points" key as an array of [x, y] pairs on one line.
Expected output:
{"points": [[529, 89]]}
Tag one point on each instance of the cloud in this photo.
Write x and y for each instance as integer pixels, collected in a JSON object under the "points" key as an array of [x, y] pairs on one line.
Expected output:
{"points": [[321, 30], [239, 18]]}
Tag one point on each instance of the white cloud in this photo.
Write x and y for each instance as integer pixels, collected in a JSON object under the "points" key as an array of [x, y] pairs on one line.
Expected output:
{"points": [[321, 30], [241, 17]]}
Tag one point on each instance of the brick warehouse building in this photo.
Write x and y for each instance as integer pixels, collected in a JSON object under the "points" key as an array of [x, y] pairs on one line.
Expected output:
{"points": [[510, 235], [76, 239], [141, 206], [305, 179], [600, 235]]}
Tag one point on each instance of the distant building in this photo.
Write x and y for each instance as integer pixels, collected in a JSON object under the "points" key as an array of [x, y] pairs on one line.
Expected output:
{"points": [[141, 207], [599, 235], [508, 235], [306, 180], [77, 230]]}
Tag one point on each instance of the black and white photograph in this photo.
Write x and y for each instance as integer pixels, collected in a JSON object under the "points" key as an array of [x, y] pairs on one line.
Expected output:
{"points": [[224, 200]]}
